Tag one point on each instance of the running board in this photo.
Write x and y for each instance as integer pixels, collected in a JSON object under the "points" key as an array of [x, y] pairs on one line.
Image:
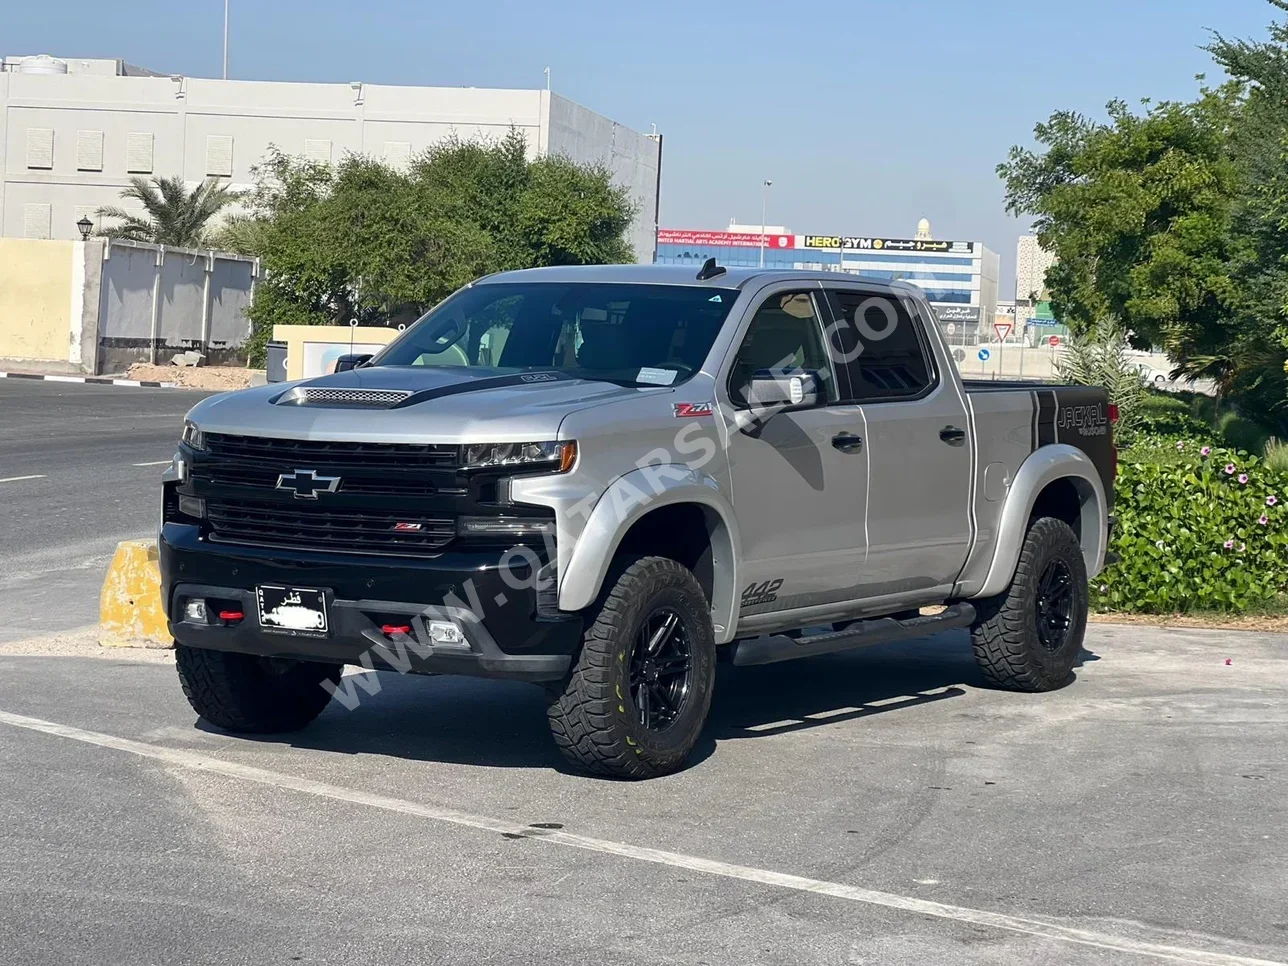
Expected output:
{"points": [[879, 630]]}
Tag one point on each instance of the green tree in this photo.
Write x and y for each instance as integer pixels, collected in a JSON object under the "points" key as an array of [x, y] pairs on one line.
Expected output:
{"points": [[1138, 211], [363, 240], [173, 215]]}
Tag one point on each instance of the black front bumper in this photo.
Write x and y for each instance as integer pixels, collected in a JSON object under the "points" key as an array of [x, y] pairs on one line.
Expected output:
{"points": [[510, 633]]}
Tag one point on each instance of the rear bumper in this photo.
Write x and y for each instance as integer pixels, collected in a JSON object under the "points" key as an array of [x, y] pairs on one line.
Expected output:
{"points": [[508, 635]]}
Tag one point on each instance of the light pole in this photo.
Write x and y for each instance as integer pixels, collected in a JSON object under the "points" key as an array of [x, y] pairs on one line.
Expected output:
{"points": [[225, 39], [85, 226], [764, 207]]}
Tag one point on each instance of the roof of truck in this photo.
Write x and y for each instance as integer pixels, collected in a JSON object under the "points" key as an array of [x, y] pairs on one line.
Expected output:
{"points": [[675, 275]]}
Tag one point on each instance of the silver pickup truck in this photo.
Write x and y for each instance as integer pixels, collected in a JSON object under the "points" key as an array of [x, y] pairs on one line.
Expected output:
{"points": [[606, 480]]}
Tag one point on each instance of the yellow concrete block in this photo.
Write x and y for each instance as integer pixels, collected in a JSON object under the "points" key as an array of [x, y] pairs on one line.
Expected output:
{"points": [[130, 609]]}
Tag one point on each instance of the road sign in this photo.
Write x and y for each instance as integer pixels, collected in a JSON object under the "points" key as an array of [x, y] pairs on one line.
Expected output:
{"points": [[984, 355], [1053, 341], [959, 355], [1003, 329]]}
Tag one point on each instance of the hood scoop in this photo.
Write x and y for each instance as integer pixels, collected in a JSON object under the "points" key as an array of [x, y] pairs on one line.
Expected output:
{"points": [[325, 396]]}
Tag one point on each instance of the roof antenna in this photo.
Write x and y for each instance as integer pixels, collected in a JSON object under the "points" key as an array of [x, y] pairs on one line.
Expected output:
{"points": [[711, 270]]}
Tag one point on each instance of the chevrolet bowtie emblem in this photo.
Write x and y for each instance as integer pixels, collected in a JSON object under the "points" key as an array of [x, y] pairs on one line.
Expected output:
{"points": [[306, 484]]}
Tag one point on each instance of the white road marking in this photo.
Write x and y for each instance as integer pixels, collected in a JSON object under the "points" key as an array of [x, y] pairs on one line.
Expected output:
{"points": [[15, 479], [780, 880], [154, 463]]}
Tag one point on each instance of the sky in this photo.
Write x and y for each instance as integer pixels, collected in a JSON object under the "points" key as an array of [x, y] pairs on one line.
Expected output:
{"points": [[866, 115]]}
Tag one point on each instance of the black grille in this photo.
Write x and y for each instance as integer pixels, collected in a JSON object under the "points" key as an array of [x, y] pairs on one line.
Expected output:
{"points": [[395, 498], [307, 452], [276, 524]]}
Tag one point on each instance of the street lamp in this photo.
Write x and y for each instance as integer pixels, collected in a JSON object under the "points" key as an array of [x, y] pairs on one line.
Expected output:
{"points": [[86, 226], [764, 205]]}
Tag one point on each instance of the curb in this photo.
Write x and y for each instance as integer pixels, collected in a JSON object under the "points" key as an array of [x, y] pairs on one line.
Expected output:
{"points": [[95, 380], [130, 608]]}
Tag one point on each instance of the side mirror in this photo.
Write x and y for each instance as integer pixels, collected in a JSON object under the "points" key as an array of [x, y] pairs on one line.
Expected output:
{"points": [[353, 361], [771, 392], [801, 389]]}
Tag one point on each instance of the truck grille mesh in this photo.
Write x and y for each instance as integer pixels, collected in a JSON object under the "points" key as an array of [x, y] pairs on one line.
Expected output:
{"points": [[393, 498], [277, 525]]}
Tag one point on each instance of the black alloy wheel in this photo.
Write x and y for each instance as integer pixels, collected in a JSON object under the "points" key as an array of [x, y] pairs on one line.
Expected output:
{"points": [[1054, 608], [661, 669]]}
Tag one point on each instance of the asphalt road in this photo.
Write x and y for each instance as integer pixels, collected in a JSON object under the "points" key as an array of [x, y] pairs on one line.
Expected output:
{"points": [[83, 446], [881, 807], [875, 808]]}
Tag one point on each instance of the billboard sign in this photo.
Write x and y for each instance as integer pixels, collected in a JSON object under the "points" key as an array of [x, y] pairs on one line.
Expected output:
{"points": [[860, 243], [958, 313], [725, 239]]}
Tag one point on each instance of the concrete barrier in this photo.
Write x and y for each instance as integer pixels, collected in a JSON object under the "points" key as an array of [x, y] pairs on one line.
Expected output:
{"points": [[130, 607]]}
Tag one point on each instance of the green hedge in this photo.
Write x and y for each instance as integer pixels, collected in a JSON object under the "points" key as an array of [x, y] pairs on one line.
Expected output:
{"points": [[1203, 529]]}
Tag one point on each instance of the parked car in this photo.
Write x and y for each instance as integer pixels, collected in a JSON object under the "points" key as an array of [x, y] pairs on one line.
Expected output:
{"points": [[623, 476]]}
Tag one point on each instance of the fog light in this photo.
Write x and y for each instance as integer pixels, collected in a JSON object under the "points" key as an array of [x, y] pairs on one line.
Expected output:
{"points": [[195, 611], [191, 506], [445, 632]]}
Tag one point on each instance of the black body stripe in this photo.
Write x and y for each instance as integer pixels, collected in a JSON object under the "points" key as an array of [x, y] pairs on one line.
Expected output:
{"points": [[496, 382], [1046, 417]]}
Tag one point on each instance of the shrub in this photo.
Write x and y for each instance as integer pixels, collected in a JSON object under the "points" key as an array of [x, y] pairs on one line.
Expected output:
{"points": [[1190, 533], [1241, 432], [1276, 455]]}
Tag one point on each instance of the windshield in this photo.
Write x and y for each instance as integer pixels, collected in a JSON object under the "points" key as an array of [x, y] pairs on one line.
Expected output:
{"points": [[655, 335]]}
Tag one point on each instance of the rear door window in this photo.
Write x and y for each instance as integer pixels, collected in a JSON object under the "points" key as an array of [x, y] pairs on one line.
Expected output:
{"points": [[881, 343]]}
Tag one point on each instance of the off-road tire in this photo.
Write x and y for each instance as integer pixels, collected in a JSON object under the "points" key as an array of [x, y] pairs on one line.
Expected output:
{"points": [[592, 718], [253, 695], [1008, 648]]}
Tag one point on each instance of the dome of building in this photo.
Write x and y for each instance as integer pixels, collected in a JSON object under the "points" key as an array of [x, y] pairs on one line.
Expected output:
{"points": [[923, 230]]}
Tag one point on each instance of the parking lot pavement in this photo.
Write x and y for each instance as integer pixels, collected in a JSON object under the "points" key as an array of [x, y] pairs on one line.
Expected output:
{"points": [[880, 807], [80, 467]]}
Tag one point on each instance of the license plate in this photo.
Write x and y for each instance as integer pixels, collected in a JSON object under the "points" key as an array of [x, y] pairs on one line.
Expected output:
{"points": [[298, 611]]}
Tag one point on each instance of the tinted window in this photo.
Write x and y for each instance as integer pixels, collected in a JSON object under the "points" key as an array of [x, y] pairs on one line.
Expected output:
{"points": [[784, 335], [881, 339], [631, 334]]}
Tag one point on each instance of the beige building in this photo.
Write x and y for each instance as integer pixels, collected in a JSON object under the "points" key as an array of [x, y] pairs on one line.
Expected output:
{"points": [[1032, 262], [73, 132]]}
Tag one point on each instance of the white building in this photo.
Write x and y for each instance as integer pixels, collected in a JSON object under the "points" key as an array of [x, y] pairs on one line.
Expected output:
{"points": [[73, 132]]}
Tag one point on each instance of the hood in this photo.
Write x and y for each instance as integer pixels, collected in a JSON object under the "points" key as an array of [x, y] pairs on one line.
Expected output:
{"points": [[423, 404]]}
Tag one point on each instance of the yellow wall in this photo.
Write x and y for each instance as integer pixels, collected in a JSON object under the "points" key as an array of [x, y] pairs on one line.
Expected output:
{"points": [[35, 299]]}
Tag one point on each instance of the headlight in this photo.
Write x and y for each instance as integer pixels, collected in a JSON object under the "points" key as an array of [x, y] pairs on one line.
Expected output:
{"points": [[558, 457], [192, 436]]}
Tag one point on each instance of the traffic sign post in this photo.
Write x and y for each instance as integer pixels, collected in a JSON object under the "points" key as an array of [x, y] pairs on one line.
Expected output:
{"points": [[1054, 341], [1002, 330]]}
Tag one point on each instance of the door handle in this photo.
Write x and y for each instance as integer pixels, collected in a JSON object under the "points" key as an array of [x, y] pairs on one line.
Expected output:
{"points": [[952, 435], [848, 443]]}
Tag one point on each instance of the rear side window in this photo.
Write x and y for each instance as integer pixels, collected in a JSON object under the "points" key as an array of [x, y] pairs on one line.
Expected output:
{"points": [[881, 341]]}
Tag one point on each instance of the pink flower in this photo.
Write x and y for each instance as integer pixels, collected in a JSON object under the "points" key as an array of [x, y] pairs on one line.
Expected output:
{"points": [[1271, 500], [1180, 446], [1229, 469], [1242, 547], [1243, 477], [1229, 545], [1206, 451], [1264, 520]]}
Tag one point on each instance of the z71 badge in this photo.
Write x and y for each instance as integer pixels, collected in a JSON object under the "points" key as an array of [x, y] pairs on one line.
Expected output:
{"points": [[685, 410]]}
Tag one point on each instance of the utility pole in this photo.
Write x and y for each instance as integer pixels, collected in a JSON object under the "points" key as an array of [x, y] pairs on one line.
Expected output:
{"points": [[225, 39], [764, 207]]}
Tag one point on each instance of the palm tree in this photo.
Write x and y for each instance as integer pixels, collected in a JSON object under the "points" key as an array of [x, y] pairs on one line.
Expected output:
{"points": [[173, 215]]}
